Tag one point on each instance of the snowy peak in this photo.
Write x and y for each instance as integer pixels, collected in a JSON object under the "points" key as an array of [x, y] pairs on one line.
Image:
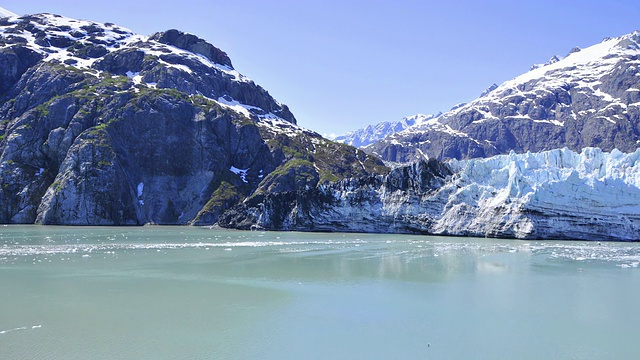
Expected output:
{"points": [[600, 57], [579, 70], [418, 118], [157, 61], [193, 44], [372, 133], [63, 39], [554, 59], [488, 90], [590, 98], [4, 13]]}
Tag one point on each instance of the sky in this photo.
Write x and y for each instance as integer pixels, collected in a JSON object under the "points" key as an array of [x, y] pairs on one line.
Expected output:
{"points": [[344, 64]]}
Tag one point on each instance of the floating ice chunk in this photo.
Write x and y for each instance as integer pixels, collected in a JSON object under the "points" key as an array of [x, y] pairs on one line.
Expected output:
{"points": [[12, 330]]}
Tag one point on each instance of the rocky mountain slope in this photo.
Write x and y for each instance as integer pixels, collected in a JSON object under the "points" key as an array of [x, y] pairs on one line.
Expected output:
{"points": [[373, 133], [102, 126], [590, 98], [557, 194]]}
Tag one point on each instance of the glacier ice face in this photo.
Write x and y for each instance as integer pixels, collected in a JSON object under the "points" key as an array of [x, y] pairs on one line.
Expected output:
{"points": [[557, 194]]}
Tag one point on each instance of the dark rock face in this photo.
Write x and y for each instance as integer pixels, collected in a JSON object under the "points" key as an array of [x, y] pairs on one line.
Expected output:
{"points": [[193, 44], [14, 61], [121, 62], [161, 174], [589, 99], [102, 127], [351, 205]]}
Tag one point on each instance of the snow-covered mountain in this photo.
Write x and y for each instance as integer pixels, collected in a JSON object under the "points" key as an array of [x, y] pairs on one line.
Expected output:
{"points": [[590, 98], [554, 59], [6, 13], [93, 48], [102, 126], [372, 133], [557, 194]]}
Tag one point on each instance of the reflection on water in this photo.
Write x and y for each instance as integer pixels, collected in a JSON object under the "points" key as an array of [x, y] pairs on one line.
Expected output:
{"points": [[182, 292], [333, 256]]}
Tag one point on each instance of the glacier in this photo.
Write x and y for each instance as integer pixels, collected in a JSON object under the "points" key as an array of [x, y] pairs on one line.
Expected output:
{"points": [[555, 194], [591, 195]]}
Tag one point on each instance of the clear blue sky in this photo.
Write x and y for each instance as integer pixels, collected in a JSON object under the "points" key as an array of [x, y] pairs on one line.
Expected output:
{"points": [[341, 65]]}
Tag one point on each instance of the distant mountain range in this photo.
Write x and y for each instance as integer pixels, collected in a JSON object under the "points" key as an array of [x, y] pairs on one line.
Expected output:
{"points": [[590, 98], [372, 133]]}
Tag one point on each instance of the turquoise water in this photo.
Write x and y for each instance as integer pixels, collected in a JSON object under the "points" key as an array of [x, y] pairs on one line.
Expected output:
{"points": [[197, 293]]}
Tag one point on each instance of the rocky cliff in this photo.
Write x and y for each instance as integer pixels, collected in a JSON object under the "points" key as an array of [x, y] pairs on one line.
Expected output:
{"points": [[558, 194], [590, 98], [101, 126]]}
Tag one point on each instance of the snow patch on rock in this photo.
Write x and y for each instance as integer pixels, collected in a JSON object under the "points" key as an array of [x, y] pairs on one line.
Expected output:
{"points": [[240, 172]]}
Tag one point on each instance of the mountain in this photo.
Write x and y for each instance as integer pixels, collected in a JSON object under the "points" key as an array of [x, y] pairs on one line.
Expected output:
{"points": [[101, 126], [590, 98], [554, 59], [6, 13], [556, 194], [372, 133]]}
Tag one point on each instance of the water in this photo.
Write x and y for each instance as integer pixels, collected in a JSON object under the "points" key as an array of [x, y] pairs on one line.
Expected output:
{"points": [[194, 293]]}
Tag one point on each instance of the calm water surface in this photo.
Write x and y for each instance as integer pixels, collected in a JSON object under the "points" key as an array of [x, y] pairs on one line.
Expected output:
{"points": [[196, 293]]}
